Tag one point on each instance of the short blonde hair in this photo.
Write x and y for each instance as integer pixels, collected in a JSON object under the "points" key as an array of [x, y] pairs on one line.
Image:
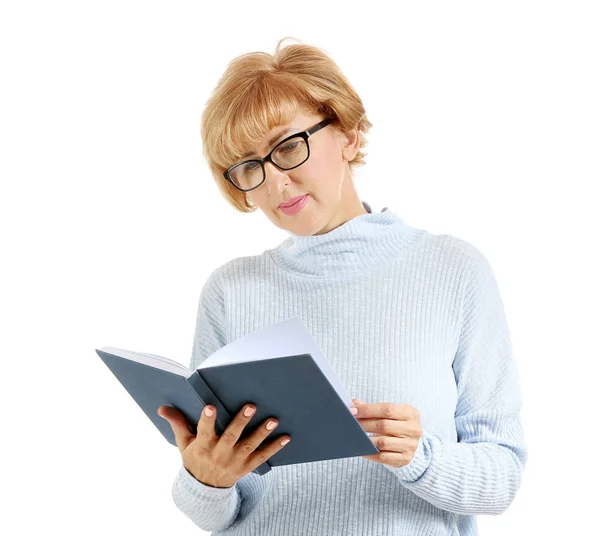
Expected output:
{"points": [[255, 92]]}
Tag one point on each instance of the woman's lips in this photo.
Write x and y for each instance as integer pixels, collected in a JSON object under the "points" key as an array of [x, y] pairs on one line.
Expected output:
{"points": [[291, 202], [296, 207]]}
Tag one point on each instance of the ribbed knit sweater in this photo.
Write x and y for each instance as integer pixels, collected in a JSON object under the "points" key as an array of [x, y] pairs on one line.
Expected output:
{"points": [[404, 316]]}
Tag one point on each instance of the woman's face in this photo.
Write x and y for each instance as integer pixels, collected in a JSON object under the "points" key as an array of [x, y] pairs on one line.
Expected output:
{"points": [[325, 178]]}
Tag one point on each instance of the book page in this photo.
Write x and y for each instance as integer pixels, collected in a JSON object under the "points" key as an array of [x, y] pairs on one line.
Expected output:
{"points": [[289, 337], [152, 360]]}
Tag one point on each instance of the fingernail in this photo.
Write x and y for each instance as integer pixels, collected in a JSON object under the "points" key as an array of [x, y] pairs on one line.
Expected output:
{"points": [[208, 411], [354, 411], [271, 425]]}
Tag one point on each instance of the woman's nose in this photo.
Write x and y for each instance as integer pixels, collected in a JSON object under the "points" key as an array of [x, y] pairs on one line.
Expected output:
{"points": [[275, 178]]}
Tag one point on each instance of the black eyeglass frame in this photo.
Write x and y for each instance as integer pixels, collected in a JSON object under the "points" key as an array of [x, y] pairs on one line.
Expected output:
{"points": [[304, 134]]}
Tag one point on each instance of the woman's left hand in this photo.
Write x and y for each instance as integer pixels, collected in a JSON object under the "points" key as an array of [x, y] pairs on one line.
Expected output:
{"points": [[397, 430]]}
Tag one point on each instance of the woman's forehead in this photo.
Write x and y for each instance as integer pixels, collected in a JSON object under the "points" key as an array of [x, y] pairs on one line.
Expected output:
{"points": [[274, 135], [291, 121]]}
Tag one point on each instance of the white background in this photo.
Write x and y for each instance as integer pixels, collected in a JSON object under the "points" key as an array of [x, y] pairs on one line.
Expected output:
{"points": [[486, 126]]}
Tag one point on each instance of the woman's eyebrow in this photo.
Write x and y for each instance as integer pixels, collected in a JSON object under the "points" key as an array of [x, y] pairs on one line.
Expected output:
{"points": [[274, 139]]}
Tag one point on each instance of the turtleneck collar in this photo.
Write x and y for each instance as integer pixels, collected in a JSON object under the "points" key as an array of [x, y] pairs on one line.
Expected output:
{"points": [[362, 241]]}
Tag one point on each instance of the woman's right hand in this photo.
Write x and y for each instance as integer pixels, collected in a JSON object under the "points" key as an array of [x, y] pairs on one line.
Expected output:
{"points": [[219, 461]]}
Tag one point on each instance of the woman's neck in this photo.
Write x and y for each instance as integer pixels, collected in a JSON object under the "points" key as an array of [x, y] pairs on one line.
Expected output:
{"points": [[354, 246]]}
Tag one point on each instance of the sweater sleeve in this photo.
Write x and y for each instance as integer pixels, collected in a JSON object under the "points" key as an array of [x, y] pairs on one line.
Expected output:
{"points": [[208, 507], [481, 472]]}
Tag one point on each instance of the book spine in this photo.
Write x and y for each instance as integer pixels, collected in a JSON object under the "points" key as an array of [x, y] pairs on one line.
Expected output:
{"points": [[207, 396]]}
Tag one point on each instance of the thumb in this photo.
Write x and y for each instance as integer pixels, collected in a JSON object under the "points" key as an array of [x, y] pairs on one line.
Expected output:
{"points": [[179, 425], [357, 401]]}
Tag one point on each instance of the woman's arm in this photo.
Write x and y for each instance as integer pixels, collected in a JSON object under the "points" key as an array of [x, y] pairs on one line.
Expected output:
{"points": [[208, 507], [481, 473]]}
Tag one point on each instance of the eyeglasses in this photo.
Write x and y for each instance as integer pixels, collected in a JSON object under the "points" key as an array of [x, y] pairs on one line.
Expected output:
{"points": [[288, 154]]}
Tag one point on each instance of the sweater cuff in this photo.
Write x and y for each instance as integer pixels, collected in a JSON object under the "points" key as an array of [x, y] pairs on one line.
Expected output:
{"points": [[203, 491], [413, 470]]}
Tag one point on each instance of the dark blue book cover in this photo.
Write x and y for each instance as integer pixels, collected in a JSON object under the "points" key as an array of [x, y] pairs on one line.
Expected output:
{"points": [[297, 389]]}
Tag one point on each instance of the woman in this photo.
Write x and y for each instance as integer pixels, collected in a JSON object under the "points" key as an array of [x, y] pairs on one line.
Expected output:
{"points": [[412, 322]]}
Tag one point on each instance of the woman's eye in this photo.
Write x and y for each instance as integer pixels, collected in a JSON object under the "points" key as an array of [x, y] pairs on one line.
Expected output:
{"points": [[290, 146]]}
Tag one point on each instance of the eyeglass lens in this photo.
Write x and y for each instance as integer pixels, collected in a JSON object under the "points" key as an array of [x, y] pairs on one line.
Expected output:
{"points": [[289, 154]]}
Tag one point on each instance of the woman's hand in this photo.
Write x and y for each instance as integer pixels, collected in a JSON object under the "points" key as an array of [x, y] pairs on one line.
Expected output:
{"points": [[398, 430], [220, 461]]}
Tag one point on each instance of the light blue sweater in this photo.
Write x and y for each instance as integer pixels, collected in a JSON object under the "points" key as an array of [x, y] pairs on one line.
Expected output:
{"points": [[404, 316]]}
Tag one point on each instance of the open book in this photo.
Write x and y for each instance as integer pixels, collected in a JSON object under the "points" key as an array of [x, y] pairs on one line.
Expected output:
{"points": [[279, 368]]}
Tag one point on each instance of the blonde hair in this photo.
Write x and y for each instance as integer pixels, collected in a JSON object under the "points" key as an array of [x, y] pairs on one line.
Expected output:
{"points": [[253, 95]]}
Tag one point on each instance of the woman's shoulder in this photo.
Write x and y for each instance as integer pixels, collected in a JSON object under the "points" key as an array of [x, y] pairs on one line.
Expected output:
{"points": [[454, 249], [236, 268]]}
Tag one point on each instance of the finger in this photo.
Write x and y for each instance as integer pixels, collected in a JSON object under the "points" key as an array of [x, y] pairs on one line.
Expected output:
{"points": [[234, 430], [179, 425], [262, 455], [205, 430], [250, 444], [395, 459], [387, 427], [391, 444], [387, 410]]}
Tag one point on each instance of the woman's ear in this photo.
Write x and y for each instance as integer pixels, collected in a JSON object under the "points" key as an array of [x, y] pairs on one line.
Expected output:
{"points": [[350, 144]]}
